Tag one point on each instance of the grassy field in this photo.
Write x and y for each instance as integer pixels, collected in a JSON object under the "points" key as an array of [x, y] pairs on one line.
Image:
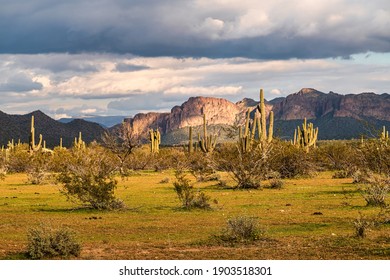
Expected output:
{"points": [[154, 226]]}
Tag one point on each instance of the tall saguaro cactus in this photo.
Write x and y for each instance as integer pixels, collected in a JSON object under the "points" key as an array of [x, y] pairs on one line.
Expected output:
{"points": [[34, 147], [306, 136], [155, 139], [190, 142], [384, 135], [208, 142]]}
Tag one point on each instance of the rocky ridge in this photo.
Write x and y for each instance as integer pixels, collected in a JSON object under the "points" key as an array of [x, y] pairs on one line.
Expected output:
{"points": [[307, 103]]}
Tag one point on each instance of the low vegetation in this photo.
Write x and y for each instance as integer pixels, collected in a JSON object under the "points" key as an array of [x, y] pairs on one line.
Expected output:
{"points": [[306, 198], [47, 243]]}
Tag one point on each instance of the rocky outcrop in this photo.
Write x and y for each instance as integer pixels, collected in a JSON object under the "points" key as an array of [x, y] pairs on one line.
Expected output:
{"points": [[306, 103], [365, 105], [314, 104], [218, 111]]}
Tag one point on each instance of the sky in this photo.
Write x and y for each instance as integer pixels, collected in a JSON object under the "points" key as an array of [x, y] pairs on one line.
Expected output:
{"points": [[120, 57]]}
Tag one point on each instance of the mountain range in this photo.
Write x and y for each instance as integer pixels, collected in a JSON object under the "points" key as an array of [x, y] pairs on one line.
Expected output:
{"points": [[337, 116], [18, 127]]}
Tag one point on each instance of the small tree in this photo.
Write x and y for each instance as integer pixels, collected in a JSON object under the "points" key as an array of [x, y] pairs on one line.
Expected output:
{"points": [[246, 168], [121, 141], [88, 176]]}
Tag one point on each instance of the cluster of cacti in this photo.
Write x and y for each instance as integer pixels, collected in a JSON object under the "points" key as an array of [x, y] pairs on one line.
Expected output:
{"points": [[34, 147], [306, 136], [79, 144], [206, 143], [155, 140], [384, 135], [247, 137]]}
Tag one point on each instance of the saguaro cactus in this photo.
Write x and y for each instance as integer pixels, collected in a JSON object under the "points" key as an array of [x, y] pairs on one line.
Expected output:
{"points": [[384, 135], [208, 142], [190, 143], [155, 139], [246, 138], [305, 137], [78, 143], [32, 145]]}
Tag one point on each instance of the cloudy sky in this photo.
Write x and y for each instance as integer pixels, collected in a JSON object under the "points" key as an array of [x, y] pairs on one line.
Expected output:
{"points": [[120, 57]]}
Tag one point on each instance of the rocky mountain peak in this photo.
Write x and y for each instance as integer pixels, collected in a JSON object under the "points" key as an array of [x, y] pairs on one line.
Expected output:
{"points": [[307, 91]]}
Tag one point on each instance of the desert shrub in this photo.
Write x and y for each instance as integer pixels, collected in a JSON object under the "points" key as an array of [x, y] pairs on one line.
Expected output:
{"points": [[291, 161], [341, 174], [276, 183], [201, 166], [164, 181], [3, 164], [139, 159], [337, 155], [189, 197], [121, 140], [247, 169], [374, 155], [362, 225], [376, 191], [44, 243], [169, 157], [19, 159], [241, 229], [58, 159], [38, 168], [88, 176]]}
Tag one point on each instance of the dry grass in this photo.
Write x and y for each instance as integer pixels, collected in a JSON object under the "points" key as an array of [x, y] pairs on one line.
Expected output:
{"points": [[155, 227]]}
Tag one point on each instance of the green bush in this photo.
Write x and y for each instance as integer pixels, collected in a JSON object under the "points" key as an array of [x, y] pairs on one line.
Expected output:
{"points": [[45, 243], [88, 176], [241, 229], [362, 225], [291, 161], [19, 159], [38, 168], [247, 169], [189, 197], [376, 191], [276, 183], [374, 155]]}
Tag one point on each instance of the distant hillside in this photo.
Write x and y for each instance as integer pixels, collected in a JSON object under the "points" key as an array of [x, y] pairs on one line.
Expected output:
{"points": [[18, 127], [105, 121]]}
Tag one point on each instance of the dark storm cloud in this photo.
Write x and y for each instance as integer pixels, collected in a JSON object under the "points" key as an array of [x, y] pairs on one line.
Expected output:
{"points": [[196, 28], [125, 67]]}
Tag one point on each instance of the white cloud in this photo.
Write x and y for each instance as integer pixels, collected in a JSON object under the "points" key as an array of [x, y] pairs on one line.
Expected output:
{"points": [[166, 81], [276, 91], [206, 91]]}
